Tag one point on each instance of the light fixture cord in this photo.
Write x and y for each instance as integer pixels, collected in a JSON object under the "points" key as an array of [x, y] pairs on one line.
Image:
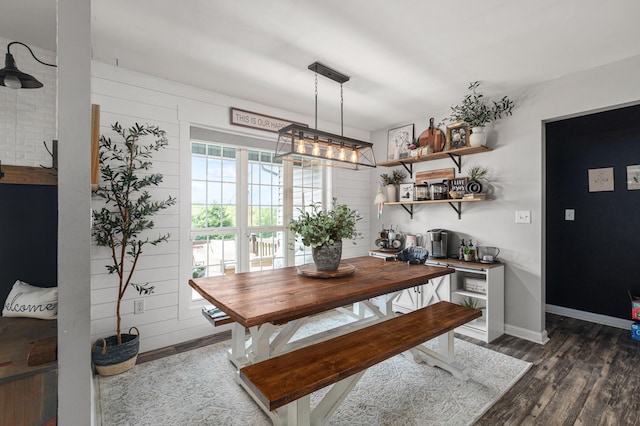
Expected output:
{"points": [[30, 51], [316, 100], [341, 112]]}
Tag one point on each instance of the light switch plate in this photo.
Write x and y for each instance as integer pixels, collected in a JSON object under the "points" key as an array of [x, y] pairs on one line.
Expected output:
{"points": [[523, 216], [569, 214]]}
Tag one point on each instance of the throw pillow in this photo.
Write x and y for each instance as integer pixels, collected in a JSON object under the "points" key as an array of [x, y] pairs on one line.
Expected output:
{"points": [[26, 300]]}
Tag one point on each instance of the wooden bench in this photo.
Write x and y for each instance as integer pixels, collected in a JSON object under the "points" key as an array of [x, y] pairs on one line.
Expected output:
{"points": [[28, 371], [290, 378]]}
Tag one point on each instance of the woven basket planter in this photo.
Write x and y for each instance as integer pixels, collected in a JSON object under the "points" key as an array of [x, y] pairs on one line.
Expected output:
{"points": [[109, 358]]}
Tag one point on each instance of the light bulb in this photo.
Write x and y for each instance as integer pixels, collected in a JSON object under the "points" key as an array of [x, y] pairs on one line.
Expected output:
{"points": [[301, 149], [329, 153], [12, 82], [342, 156], [354, 156], [316, 148]]}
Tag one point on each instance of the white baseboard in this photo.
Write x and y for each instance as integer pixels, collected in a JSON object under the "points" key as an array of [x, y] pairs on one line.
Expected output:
{"points": [[523, 333], [591, 317]]}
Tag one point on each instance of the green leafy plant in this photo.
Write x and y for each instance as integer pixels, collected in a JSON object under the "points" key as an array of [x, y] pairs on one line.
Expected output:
{"points": [[477, 111], [468, 250], [122, 222], [394, 178], [470, 303], [478, 173], [320, 227]]}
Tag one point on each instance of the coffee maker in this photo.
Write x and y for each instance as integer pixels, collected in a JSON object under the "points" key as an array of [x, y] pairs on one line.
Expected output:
{"points": [[437, 243]]}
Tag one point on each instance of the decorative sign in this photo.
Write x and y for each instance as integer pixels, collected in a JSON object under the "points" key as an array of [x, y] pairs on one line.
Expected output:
{"points": [[240, 117], [458, 185]]}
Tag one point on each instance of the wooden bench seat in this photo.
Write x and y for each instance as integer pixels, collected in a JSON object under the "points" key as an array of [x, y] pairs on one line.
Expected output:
{"points": [[28, 371], [285, 378]]}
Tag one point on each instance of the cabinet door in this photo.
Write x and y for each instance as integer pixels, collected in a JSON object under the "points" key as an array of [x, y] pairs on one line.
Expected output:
{"points": [[436, 290], [407, 301]]}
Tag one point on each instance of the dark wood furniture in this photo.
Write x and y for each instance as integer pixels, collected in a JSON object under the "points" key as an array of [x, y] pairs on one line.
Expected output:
{"points": [[28, 371], [272, 305], [282, 295], [285, 378]]}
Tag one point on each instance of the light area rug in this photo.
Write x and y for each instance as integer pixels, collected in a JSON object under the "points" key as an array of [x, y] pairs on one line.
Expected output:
{"points": [[198, 388]]}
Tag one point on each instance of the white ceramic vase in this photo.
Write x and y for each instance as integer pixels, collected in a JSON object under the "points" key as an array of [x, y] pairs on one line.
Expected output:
{"points": [[478, 136], [392, 193]]}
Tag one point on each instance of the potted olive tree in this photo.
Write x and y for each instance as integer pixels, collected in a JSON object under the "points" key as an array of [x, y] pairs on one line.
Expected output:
{"points": [[122, 225], [324, 230], [477, 112]]}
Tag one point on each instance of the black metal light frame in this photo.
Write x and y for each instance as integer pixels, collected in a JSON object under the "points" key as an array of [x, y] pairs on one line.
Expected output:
{"points": [[319, 147]]}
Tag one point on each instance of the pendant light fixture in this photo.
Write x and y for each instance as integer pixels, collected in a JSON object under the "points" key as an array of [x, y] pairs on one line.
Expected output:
{"points": [[318, 147], [11, 76]]}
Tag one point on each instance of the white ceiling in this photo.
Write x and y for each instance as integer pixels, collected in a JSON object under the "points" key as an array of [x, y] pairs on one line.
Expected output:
{"points": [[404, 57]]}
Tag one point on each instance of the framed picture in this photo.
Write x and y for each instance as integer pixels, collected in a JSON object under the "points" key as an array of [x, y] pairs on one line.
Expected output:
{"points": [[601, 179], [633, 177], [457, 136], [406, 192], [399, 140]]}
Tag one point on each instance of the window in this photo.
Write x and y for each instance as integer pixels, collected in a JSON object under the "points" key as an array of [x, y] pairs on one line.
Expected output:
{"points": [[241, 201]]}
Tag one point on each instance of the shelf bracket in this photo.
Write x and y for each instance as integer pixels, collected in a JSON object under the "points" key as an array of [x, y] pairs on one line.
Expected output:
{"points": [[408, 168], [408, 209], [458, 209], [457, 161]]}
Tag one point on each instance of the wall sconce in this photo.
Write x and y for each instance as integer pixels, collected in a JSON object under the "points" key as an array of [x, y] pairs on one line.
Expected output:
{"points": [[12, 77], [318, 147]]}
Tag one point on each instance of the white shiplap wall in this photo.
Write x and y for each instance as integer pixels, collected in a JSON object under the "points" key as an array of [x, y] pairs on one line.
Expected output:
{"points": [[129, 97]]}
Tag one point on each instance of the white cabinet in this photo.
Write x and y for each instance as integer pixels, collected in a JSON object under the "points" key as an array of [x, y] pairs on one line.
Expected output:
{"points": [[490, 276], [417, 297]]}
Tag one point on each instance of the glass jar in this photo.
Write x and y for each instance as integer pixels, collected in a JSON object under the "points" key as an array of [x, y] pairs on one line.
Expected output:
{"points": [[438, 191], [422, 192]]}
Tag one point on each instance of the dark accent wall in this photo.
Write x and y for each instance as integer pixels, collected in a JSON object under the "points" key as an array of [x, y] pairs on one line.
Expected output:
{"points": [[28, 236], [592, 261]]}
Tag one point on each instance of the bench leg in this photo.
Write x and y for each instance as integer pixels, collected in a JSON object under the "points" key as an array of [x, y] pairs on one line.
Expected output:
{"points": [[299, 412], [444, 358], [333, 398]]}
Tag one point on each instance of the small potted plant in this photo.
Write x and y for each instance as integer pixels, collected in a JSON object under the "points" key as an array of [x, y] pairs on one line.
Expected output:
{"points": [[391, 181], [122, 225], [470, 303], [469, 254], [477, 175], [324, 230], [477, 112]]}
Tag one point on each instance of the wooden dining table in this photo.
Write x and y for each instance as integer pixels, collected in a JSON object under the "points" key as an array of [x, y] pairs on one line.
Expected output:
{"points": [[273, 304]]}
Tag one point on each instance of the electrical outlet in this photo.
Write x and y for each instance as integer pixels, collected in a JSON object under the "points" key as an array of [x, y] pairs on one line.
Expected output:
{"points": [[523, 216], [138, 306]]}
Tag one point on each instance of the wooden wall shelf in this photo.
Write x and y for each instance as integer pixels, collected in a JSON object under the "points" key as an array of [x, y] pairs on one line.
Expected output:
{"points": [[27, 175], [450, 201], [453, 154]]}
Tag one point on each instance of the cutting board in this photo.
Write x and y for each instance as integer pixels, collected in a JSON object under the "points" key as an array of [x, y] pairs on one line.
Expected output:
{"points": [[432, 137]]}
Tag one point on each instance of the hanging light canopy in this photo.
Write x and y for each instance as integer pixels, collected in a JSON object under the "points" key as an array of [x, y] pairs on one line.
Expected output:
{"points": [[319, 147], [11, 76]]}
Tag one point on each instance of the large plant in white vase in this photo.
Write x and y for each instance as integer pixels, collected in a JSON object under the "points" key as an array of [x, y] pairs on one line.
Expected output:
{"points": [[122, 225], [477, 111]]}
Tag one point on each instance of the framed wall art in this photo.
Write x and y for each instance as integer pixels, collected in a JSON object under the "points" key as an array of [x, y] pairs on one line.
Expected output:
{"points": [[399, 140], [457, 136], [406, 192], [633, 177], [601, 179]]}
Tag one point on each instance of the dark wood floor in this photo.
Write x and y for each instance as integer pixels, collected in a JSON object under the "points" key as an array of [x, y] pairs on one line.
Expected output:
{"points": [[587, 374]]}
